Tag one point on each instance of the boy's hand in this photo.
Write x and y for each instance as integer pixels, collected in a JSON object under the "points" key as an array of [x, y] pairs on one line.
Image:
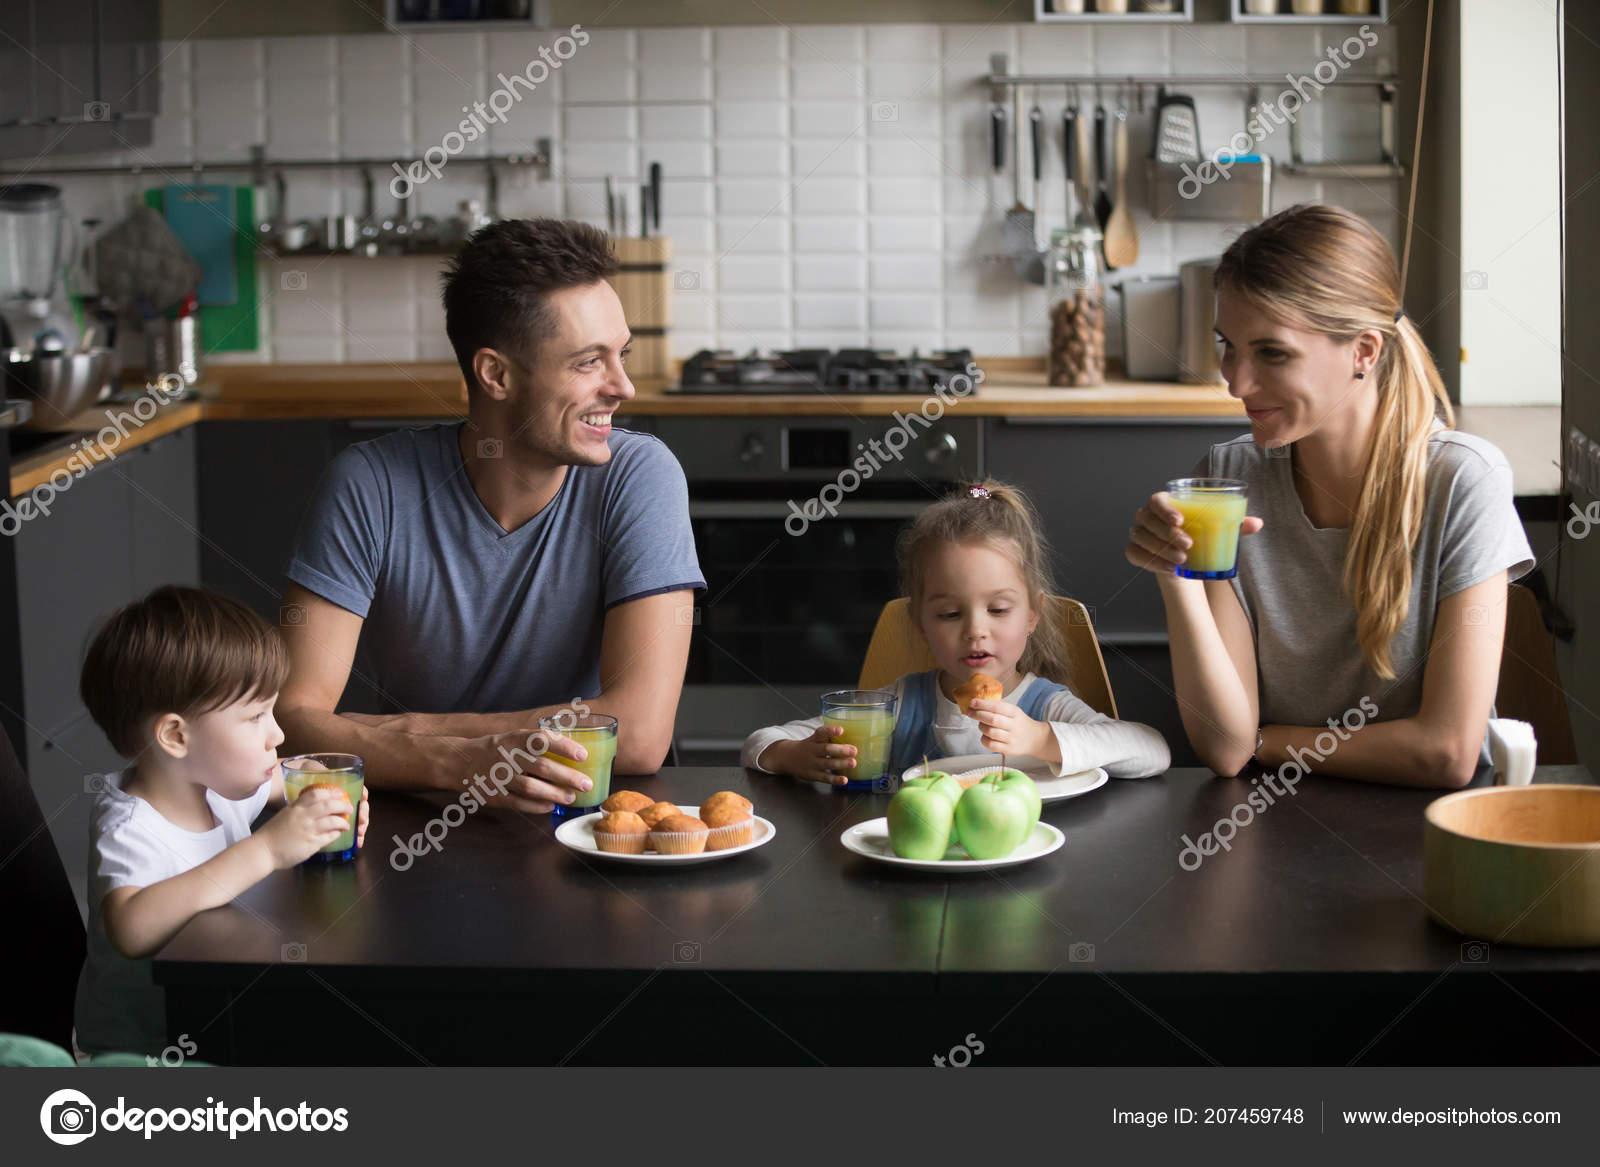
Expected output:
{"points": [[362, 816], [814, 758], [1008, 730], [305, 826]]}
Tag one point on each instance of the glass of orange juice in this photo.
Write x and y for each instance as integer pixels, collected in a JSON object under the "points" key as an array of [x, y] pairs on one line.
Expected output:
{"points": [[345, 772], [1212, 509], [597, 734], [867, 717]]}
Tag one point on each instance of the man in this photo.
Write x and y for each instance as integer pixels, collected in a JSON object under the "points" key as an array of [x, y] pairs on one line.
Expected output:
{"points": [[504, 568]]}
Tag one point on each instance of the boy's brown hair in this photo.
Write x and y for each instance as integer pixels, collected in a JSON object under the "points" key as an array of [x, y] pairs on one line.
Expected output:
{"points": [[178, 650]]}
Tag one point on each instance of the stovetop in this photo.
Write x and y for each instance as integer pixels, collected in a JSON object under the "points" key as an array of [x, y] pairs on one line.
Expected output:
{"points": [[844, 371]]}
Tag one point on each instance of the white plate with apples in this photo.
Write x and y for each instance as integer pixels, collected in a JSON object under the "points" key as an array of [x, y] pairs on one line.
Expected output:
{"points": [[967, 769], [871, 840]]}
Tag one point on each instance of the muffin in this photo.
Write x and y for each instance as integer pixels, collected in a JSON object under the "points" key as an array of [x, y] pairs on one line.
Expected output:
{"points": [[725, 798], [621, 831], [629, 800], [655, 812], [728, 826], [979, 686], [679, 834]]}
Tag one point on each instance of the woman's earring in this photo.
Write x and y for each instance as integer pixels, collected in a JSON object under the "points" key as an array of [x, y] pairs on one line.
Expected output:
{"points": [[1359, 375]]}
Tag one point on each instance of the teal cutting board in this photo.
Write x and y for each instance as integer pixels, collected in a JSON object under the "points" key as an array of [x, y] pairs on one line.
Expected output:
{"points": [[236, 326], [202, 219]]}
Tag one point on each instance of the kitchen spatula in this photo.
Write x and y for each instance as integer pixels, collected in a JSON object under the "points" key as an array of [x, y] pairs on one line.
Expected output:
{"points": [[1122, 237]]}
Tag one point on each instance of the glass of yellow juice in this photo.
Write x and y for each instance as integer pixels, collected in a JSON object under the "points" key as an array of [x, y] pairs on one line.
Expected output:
{"points": [[597, 734], [345, 771], [1212, 509], [867, 717]]}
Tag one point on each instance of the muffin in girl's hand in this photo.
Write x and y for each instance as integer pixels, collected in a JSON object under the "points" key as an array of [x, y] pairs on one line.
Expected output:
{"points": [[621, 831], [679, 834], [657, 811], [978, 687], [630, 800]]}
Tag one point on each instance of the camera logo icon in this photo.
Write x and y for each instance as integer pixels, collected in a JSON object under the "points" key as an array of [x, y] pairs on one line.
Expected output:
{"points": [[686, 952], [294, 953], [1081, 953], [291, 614], [293, 281], [97, 111], [686, 281], [491, 448], [885, 111], [1475, 281], [1477, 615], [95, 784], [1474, 952], [67, 1117], [687, 614]]}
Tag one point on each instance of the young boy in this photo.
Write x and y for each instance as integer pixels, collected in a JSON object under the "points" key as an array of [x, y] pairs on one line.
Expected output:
{"points": [[183, 683]]}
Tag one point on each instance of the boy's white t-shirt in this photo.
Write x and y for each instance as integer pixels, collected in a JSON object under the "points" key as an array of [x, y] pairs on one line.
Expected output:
{"points": [[119, 1008]]}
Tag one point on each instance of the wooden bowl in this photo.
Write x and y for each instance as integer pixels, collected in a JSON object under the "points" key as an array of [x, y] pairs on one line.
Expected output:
{"points": [[1516, 864]]}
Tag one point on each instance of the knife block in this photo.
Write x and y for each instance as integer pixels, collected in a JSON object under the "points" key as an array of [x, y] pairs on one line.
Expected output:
{"points": [[644, 285]]}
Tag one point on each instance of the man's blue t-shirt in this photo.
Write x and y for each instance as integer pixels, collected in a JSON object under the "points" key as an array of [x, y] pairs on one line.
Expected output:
{"points": [[462, 616]]}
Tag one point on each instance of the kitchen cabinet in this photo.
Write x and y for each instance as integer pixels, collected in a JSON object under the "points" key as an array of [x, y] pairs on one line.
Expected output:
{"points": [[78, 75]]}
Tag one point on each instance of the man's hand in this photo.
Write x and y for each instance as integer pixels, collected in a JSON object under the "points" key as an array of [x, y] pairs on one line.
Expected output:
{"points": [[507, 769], [1008, 730]]}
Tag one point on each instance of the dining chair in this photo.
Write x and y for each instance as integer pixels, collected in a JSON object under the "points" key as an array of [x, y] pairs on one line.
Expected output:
{"points": [[44, 932], [897, 648], [1530, 684]]}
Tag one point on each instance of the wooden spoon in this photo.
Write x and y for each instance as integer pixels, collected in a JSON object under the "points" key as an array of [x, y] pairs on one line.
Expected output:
{"points": [[1122, 237]]}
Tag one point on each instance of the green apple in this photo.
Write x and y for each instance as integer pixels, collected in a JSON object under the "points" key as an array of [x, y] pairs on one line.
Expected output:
{"points": [[990, 820], [919, 823], [945, 785], [1019, 783]]}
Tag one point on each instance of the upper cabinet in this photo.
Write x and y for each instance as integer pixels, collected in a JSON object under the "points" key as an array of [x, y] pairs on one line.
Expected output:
{"points": [[78, 75]]}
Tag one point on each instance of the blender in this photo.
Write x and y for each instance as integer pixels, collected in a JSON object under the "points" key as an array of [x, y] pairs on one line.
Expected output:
{"points": [[33, 228]]}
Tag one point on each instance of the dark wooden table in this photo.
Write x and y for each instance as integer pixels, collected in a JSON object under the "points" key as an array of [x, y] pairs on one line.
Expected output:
{"points": [[1307, 942]]}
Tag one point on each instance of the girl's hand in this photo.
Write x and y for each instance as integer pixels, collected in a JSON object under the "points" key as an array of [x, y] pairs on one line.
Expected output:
{"points": [[1157, 541], [362, 816], [815, 758], [1008, 730], [305, 826]]}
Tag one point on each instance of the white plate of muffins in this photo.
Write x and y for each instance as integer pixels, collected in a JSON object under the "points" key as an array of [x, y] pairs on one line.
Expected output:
{"points": [[634, 828]]}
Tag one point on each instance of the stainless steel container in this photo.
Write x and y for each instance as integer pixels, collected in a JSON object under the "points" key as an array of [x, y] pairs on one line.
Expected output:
{"points": [[1197, 308], [184, 347], [1199, 190], [1151, 335], [61, 385]]}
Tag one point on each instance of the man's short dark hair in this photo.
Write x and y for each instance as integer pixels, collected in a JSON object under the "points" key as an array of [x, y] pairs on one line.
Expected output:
{"points": [[497, 289]]}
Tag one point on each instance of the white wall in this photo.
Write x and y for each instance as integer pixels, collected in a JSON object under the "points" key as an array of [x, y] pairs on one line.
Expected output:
{"points": [[1510, 204], [806, 220]]}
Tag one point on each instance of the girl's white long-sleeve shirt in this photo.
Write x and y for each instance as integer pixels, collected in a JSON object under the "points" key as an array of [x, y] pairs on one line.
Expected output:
{"points": [[1086, 737]]}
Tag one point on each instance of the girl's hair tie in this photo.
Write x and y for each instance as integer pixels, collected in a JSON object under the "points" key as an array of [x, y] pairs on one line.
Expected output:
{"points": [[977, 492], [1398, 312]]}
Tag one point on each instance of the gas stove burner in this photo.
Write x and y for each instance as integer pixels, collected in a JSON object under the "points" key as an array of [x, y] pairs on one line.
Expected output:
{"points": [[847, 371]]}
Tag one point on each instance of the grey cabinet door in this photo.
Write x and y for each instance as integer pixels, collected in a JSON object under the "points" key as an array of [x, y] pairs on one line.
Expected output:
{"points": [[73, 566], [1087, 480], [61, 767], [164, 524]]}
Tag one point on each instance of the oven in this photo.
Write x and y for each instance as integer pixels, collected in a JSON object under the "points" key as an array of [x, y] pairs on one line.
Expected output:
{"points": [[795, 521]]}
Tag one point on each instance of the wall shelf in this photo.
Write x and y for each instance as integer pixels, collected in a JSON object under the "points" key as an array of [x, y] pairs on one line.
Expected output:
{"points": [[1286, 14], [1182, 13]]}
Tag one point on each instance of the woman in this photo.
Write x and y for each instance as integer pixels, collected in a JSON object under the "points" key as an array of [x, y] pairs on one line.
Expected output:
{"points": [[1362, 635]]}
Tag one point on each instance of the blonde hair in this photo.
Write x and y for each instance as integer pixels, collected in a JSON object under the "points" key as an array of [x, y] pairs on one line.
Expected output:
{"points": [[1006, 522], [1327, 270]]}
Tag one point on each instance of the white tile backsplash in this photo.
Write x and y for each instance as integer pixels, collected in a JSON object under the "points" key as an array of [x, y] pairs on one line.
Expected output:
{"points": [[825, 185]]}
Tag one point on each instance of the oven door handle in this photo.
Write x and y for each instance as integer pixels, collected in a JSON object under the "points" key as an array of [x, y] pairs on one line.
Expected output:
{"points": [[862, 509]]}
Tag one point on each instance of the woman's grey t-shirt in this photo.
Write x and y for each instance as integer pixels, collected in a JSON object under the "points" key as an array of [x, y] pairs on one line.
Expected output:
{"points": [[463, 616], [1309, 662]]}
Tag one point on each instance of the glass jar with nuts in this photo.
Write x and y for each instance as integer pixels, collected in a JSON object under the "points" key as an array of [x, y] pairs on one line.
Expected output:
{"points": [[1077, 308]]}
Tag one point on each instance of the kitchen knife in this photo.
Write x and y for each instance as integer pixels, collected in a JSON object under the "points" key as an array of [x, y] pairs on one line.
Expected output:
{"points": [[655, 196], [1069, 153], [1102, 199], [1036, 135]]}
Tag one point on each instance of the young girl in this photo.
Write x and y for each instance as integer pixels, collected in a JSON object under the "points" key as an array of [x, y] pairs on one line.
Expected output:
{"points": [[975, 569]]}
